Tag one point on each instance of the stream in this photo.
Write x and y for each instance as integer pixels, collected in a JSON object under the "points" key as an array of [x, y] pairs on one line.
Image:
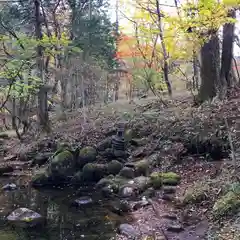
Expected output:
{"points": [[64, 220]]}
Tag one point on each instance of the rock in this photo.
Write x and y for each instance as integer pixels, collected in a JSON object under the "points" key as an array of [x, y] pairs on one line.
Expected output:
{"points": [[149, 193], [41, 178], [120, 154], [140, 204], [127, 172], [128, 191], [169, 189], [4, 135], [94, 171], [227, 204], [128, 135], [169, 178], [170, 216], [41, 159], [142, 183], [77, 178], [105, 144], [24, 217], [62, 165], [83, 201], [87, 155], [129, 231], [176, 228], [168, 197], [9, 187], [114, 167], [141, 167], [120, 207], [138, 142], [5, 169]]}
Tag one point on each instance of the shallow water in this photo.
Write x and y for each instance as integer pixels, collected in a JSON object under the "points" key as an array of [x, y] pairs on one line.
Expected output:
{"points": [[64, 221]]}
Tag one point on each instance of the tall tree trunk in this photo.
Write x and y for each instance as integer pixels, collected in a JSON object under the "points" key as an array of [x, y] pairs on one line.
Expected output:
{"points": [[165, 55], [226, 78], [195, 72], [42, 95], [209, 70]]}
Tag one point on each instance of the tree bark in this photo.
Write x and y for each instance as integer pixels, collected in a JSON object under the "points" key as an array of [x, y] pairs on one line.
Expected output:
{"points": [[42, 94], [209, 70], [226, 78]]}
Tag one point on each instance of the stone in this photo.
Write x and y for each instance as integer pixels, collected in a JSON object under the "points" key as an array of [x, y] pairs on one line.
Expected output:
{"points": [[104, 144], [41, 178], [142, 183], [170, 216], [9, 187], [62, 165], [141, 167], [168, 197], [127, 172], [127, 191], [114, 167], [149, 193], [94, 171], [83, 201], [5, 169], [87, 155], [129, 231], [24, 217], [4, 135], [176, 228], [120, 207], [169, 189], [169, 178], [140, 204], [41, 159], [138, 142]]}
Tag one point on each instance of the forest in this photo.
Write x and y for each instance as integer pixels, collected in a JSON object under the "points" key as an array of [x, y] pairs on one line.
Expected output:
{"points": [[119, 119]]}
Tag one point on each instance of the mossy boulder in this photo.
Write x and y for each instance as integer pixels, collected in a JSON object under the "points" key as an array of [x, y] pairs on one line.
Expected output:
{"points": [[41, 178], [169, 178], [142, 183], [87, 155], [196, 193], [62, 165], [227, 204], [127, 172], [93, 172], [104, 144], [141, 167], [114, 167]]}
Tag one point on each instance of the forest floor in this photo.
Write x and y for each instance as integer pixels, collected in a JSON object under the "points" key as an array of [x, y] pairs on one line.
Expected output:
{"points": [[171, 125]]}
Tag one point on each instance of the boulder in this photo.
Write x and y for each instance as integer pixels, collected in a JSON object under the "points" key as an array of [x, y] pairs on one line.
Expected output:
{"points": [[93, 172], [120, 207], [104, 144], [141, 167], [128, 191], [142, 183], [24, 217], [41, 178], [86, 155], [127, 172], [169, 178], [114, 167], [62, 165]]}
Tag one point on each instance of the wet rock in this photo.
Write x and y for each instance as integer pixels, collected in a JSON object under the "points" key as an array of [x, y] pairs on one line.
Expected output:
{"points": [[120, 207], [169, 189], [24, 217], [104, 144], [114, 167], [62, 165], [83, 201], [176, 228], [141, 167], [5, 169], [127, 172], [41, 159], [87, 155], [129, 231], [94, 171], [9, 187]]}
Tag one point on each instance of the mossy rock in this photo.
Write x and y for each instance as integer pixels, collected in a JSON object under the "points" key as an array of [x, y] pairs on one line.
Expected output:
{"points": [[142, 183], [62, 165], [41, 178], [127, 172], [87, 155], [93, 172], [196, 193], [227, 204], [141, 167], [9, 235], [169, 178], [114, 167], [128, 135]]}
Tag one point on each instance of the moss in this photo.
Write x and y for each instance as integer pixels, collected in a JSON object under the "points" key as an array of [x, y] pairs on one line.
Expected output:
{"points": [[227, 204], [196, 193], [158, 179], [87, 155], [114, 167], [94, 171], [62, 156], [141, 167], [40, 178]]}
